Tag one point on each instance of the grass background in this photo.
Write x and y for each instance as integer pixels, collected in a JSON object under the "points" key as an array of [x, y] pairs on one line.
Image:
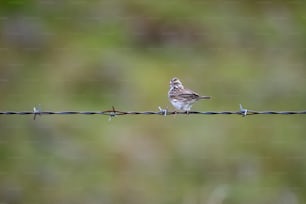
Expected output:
{"points": [[79, 55]]}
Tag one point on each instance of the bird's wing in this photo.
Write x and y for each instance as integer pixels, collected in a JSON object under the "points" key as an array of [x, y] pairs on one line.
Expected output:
{"points": [[187, 93]]}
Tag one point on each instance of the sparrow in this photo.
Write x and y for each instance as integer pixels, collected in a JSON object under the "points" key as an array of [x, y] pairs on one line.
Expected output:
{"points": [[182, 98]]}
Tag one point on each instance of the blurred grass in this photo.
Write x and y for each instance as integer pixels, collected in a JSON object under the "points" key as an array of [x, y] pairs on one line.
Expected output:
{"points": [[76, 55]]}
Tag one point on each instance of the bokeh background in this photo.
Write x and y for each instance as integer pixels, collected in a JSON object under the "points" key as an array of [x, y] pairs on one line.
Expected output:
{"points": [[92, 55]]}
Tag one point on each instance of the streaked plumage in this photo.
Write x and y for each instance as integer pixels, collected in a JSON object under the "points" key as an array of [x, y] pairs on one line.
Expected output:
{"points": [[182, 98]]}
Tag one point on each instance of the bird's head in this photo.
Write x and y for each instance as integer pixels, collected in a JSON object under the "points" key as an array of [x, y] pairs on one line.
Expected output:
{"points": [[176, 83]]}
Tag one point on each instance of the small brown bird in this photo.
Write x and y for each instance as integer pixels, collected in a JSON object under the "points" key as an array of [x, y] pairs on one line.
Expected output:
{"points": [[182, 98]]}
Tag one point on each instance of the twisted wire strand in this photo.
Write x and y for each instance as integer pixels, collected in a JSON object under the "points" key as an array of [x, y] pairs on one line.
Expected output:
{"points": [[113, 112], [116, 113]]}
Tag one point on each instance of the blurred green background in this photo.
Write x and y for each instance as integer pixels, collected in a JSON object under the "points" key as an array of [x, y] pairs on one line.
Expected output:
{"points": [[92, 55]]}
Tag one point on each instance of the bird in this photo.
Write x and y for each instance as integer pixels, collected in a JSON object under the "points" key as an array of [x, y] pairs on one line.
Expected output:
{"points": [[182, 98]]}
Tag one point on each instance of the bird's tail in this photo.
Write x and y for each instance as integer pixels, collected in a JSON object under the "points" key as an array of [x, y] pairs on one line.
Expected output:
{"points": [[204, 97]]}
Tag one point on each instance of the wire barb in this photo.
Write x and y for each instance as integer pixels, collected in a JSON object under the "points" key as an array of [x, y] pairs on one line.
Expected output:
{"points": [[163, 111], [243, 112], [36, 111], [112, 113]]}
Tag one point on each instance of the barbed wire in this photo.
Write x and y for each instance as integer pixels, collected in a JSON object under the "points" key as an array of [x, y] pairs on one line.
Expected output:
{"points": [[164, 112]]}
